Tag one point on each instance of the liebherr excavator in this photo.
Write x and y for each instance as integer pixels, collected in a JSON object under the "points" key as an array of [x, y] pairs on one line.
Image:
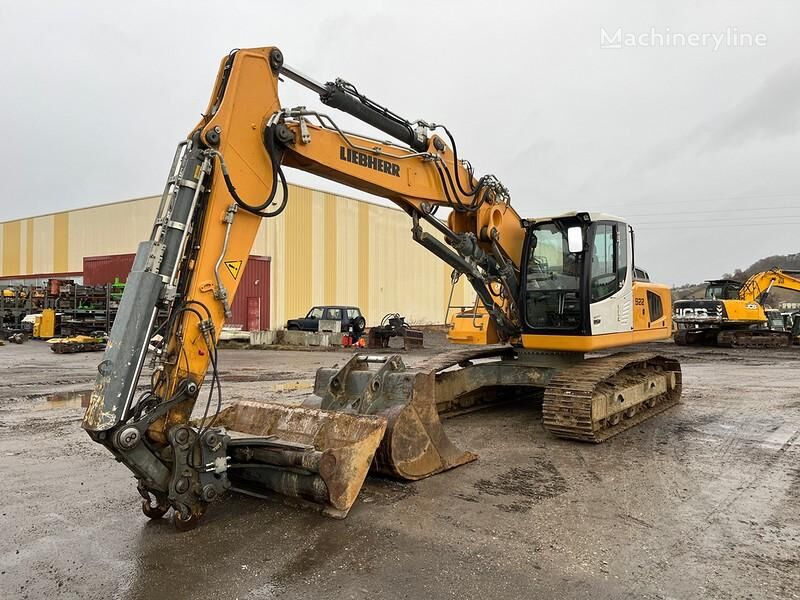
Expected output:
{"points": [[732, 313], [549, 290]]}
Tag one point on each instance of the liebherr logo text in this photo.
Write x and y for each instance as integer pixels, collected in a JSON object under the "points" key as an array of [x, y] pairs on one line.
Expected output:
{"points": [[366, 160]]}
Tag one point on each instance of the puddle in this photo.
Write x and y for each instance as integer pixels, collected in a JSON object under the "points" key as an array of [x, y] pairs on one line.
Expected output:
{"points": [[59, 400]]}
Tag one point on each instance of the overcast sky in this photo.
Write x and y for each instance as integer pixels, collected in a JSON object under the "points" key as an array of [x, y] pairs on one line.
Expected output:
{"points": [[696, 143]]}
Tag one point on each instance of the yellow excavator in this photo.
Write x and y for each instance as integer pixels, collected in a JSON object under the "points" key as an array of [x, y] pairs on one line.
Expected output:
{"points": [[734, 314], [550, 290]]}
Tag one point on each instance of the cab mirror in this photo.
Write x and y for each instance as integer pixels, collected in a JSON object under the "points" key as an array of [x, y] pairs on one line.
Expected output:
{"points": [[575, 239]]}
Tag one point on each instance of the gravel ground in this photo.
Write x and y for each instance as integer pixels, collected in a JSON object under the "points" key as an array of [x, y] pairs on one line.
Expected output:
{"points": [[700, 502]]}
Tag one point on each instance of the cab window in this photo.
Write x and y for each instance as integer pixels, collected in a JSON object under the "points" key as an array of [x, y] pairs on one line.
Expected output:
{"points": [[552, 281], [655, 306], [609, 260], [314, 313]]}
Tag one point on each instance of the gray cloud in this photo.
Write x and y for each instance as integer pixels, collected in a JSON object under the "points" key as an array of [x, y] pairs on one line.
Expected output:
{"points": [[772, 111], [96, 95]]}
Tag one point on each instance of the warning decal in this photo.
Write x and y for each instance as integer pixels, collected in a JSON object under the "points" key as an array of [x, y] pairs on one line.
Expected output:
{"points": [[234, 266]]}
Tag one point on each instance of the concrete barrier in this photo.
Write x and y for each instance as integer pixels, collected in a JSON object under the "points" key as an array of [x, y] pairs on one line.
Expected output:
{"points": [[283, 337], [322, 339], [262, 338]]}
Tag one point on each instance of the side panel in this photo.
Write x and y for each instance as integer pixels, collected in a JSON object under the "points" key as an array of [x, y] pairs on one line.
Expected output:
{"points": [[741, 310], [614, 314], [591, 343], [652, 307]]}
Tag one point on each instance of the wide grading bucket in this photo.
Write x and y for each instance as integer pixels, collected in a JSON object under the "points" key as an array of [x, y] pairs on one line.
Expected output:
{"points": [[317, 456]]}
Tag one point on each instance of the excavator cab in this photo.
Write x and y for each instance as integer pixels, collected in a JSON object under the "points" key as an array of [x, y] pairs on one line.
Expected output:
{"points": [[580, 292], [723, 289]]}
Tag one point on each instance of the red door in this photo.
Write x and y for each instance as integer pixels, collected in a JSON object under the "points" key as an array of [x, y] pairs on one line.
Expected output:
{"points": [[253, 313]]}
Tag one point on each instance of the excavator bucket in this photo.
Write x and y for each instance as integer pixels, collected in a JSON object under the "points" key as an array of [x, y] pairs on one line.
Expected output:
{"points": [[317, 457], [415, 445], [321, 451]]}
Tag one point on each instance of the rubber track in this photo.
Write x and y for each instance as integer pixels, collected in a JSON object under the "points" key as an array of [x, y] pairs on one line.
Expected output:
{"points": [[567, 408]]}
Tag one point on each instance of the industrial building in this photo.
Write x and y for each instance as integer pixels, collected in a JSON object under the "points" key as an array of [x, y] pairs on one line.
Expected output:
{"points": [[323, 249]]}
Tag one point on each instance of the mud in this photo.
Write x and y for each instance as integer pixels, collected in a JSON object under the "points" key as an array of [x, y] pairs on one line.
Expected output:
{"points": [[700, 502]]}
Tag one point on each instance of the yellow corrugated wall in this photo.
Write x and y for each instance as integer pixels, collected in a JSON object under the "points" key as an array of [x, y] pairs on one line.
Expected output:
{"points": [[109, 229], [325, 249], [11, 249]]}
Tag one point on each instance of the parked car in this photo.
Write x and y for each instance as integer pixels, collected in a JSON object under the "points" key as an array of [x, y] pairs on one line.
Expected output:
{"points": [[350, 317]]}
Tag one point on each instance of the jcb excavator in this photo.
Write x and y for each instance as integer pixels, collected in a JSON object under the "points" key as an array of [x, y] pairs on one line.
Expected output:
{"points": [[549, 290], [732, 314]]}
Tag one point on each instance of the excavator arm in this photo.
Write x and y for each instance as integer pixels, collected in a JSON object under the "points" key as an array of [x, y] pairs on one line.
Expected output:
{"points": [[758, 287], [225, 177]]}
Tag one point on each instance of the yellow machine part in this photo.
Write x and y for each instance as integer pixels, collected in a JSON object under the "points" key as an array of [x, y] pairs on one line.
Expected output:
{"points": [[744, 311], [75, 339], [472, 326], [46, 324], [645, 327]]}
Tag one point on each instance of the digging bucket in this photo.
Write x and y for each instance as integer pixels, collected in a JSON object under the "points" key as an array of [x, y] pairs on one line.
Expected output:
{"points": [[315, 456], [415, 445]]}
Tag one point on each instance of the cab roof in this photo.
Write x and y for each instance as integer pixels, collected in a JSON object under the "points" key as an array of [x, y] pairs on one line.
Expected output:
{"points": [[594, 216], [724, 281]]}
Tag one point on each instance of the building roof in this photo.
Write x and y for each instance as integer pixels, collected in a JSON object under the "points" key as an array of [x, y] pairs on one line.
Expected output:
{"points": [[141, 198]]}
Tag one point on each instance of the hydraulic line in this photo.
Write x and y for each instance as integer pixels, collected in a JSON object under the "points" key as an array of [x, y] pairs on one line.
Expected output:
{"points": [[277, 174]]}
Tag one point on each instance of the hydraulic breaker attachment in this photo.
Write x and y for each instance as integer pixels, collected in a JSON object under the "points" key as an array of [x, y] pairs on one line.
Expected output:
{"points": [[317, 457]]}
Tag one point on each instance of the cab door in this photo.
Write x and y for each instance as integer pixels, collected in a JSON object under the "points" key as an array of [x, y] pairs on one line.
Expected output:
{"points": [[610, 290]]}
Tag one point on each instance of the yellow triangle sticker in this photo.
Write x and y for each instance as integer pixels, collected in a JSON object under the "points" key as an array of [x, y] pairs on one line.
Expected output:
{"points": [[234, 266]]}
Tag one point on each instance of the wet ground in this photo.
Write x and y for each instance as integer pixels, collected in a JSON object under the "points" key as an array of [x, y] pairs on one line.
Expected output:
{"points": [[702, 501]]}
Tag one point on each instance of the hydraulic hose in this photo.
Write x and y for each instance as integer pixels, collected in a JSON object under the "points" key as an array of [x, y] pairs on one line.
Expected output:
{"points": [[277, 175]]}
